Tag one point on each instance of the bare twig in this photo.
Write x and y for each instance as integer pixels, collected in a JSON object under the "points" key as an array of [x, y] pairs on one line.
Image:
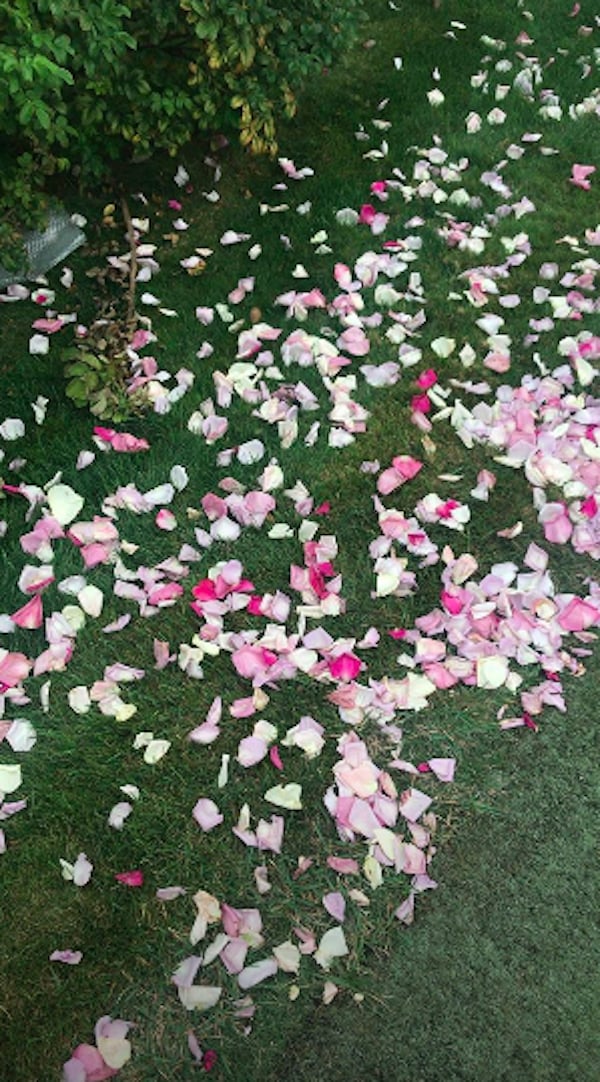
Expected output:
{"points": [[133, 264]]}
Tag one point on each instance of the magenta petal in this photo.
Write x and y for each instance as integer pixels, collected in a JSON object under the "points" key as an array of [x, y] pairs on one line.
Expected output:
{"points": [[345, 667], [275, 757], [130, 879]]}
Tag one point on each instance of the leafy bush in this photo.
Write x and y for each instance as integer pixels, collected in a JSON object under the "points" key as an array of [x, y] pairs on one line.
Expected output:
{"points": [[98, 371], [85, 82]]}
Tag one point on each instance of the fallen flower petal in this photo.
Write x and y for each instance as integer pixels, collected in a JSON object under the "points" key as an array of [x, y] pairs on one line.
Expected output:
{"points": [[207, 814], [256, 973], [286, 796], [68, 957], [332, 945], [130, 879]]}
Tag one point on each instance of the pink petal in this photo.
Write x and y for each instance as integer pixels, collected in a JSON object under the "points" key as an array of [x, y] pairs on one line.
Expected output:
{"points": [[275, 757], [207, 814], [251, 750], [269, 834], [443, 768], [406, 910], [31, 615], [413, 803], [69, 957], [168, 894], [96, 1070], [345, 667], [335, 904], [259, 971], [556, 523], [130, 879], [578, 615], [344, 865]]}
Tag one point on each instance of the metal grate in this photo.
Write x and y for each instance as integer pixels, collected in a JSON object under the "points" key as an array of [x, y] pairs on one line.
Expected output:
{"points": [[44, 249]]}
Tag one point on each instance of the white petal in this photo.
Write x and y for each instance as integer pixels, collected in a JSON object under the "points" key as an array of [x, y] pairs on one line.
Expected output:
{"points": [[65, 504], [332, 945]]}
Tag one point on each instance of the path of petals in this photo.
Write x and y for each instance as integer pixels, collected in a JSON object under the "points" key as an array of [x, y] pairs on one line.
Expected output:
{"points": [[313, 378]]}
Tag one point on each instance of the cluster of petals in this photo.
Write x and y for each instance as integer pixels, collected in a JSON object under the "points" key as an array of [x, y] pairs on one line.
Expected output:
{"points": [[364, 803], [553, 433], [95, 1063], [511, 614]]}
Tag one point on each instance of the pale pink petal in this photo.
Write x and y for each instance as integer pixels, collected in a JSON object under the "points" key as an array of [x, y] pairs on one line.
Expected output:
{"points": [[443, 768], [207, 814], [335, 904], [82, 870], [413, 803], [68, 957], [168, 894], [344, 865], [251, 750], [578, 615], [257, 972], [405, 912]]}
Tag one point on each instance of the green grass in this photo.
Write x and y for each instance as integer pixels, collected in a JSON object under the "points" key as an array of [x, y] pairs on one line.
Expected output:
{"points": [[497, 978]]}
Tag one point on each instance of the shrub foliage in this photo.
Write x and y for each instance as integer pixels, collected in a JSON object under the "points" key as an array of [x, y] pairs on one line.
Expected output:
{"points": [[86, 83]]}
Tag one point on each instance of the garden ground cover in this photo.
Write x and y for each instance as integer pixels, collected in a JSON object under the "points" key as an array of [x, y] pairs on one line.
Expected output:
{"points": [[458, 994]]}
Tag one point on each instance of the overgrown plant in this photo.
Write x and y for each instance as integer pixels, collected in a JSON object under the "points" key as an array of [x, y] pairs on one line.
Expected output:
{"points": [[97, 371], [98, 366], [88, 84]]}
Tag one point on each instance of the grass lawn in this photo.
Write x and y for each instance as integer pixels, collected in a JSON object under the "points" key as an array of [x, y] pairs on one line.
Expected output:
{"points": [[427, 253]]}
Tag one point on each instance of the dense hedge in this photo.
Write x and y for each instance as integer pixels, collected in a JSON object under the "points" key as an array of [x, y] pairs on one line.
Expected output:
{"points": [[86, 82]]}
